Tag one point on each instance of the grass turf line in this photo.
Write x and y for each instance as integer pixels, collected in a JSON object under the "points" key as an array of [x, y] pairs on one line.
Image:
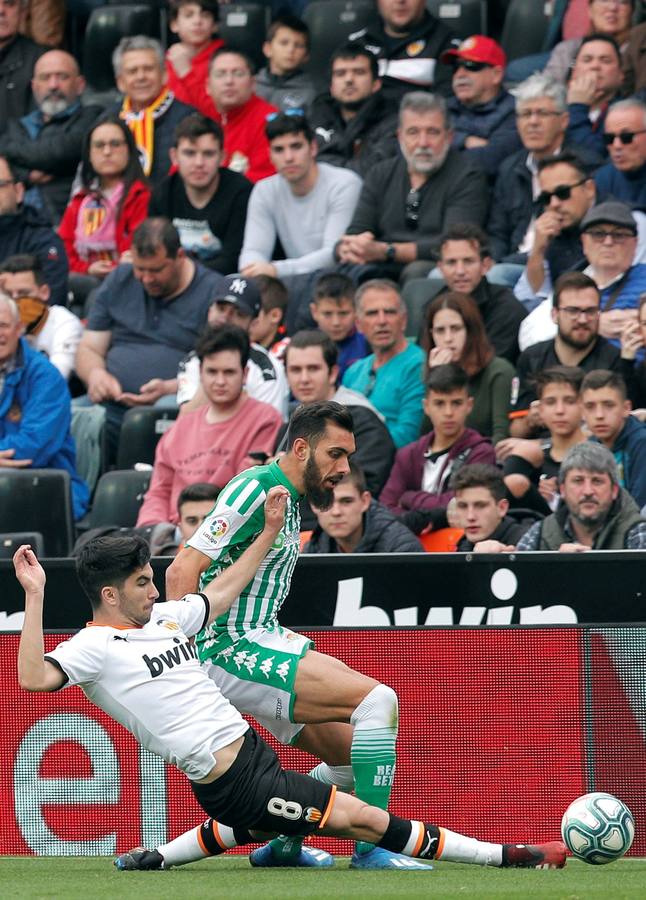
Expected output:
{"points": [[232, 877]]}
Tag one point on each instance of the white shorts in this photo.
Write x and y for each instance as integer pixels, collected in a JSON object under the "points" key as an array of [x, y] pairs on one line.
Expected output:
{"points": [[257, 674]]}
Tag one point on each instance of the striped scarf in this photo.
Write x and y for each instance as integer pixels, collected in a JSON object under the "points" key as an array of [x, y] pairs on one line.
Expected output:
{"points": [[142, 125]]}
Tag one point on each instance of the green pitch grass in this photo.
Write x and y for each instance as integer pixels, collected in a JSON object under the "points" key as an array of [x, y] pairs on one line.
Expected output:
{"points": [[92, 878]]}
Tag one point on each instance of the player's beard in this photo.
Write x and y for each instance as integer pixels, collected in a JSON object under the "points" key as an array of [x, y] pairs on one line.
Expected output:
{"points": [[317, 495]]}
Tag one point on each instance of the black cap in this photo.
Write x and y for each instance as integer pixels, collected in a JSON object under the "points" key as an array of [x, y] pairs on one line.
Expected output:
{"points": [[241, 291]]}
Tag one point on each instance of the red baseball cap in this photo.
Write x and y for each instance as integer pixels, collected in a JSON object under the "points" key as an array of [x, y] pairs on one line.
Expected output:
{"points": [[477, 48]]}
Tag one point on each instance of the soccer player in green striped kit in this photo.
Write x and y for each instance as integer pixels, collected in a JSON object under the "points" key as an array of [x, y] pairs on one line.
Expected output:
{"points": [[304, 698]]}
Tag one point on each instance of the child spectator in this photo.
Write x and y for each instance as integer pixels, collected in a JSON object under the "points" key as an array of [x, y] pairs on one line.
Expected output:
{"points": [[531, 467], [454, 333], [112, 201], [420, 476], [332, 309], [187, 62], [607, 414], [283, 82], [268, 329]]}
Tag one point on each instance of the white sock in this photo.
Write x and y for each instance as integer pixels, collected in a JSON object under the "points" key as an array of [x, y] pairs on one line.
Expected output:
{"points": [[341, 776], [455, 847], [190, 846]]}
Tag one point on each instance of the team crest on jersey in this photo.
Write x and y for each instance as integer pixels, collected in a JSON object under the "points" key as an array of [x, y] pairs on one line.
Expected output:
{"points": [[168, 624], [279, 541], [219, 527], [415, 48], [312, 814]]}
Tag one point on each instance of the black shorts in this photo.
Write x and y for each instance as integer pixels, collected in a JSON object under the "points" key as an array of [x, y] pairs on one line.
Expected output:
{"points": [[257, 793]]}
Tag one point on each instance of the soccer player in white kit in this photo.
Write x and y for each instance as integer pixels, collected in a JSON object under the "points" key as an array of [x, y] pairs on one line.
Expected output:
{"points": [[136, 662]]}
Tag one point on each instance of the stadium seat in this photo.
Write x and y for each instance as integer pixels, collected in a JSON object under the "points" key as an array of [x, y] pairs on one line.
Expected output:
{"points": [[416, 294], [10, 542], [464, 17], [141, 430], [243, 26], [119, 494], [330, 23], [444, 540], [105, 28], [524, 29], [38, 500]]}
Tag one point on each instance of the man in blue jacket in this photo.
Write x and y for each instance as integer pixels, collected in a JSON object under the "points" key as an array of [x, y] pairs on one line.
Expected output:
{"points": [[624, 177], [35, 412], [482, 111], [607, 414]]}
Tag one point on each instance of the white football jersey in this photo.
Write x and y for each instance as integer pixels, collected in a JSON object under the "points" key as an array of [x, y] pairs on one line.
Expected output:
{"points": [[149, 679]]}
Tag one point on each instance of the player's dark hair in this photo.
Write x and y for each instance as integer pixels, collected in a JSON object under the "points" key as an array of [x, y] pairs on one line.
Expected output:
{"points": [[570, 375], [288, 20], [195, 126], [24, 262], [273, 294], [109, 561], [333, 286], [354, 51], [356, 477], [207, 6], [280, 124], [482, 475], [132, 172], [310, 420], [312, 338], [155, 234], [467, 231], [225, 337], [221, 51], [602, 378], [477, 352], [447, 378], [193, 493], [573, 281]]}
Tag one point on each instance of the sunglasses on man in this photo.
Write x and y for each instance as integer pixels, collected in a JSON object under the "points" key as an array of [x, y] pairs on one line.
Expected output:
{"points": [[562, 192], [625, 137], [469, 64]]}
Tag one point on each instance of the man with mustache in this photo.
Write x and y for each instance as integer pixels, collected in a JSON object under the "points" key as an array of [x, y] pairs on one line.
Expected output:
{"points": [[482, 111], [408, 201], [304, 698], [44, 147], [594, 514]]}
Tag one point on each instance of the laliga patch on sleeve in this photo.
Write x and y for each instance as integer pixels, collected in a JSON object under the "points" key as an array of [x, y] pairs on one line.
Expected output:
{"points": [[219, 527]]}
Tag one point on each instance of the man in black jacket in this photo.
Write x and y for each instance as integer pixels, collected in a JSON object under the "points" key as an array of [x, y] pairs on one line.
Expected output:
{"points": [[355, 123], [481, 508], [464, 262], [408, 42], [17, 57], [408, 201], [355, 523], [25, 230], [44, 147]]}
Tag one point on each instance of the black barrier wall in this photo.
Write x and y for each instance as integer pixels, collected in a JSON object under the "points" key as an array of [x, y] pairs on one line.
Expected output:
{"points": [[414, 589]]}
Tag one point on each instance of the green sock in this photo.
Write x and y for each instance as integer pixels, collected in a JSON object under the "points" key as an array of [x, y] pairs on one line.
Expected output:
{"points": [[373, 765], [285, 847]]}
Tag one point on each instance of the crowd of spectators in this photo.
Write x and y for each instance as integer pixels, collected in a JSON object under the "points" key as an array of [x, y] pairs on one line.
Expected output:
{"points": [[228, 243]]}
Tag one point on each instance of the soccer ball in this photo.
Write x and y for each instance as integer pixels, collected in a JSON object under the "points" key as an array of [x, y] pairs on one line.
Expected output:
{"points": [[598, 828]]}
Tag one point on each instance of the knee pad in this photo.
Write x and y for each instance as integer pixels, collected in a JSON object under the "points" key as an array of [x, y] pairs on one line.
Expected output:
{"points": [[378, 709]]}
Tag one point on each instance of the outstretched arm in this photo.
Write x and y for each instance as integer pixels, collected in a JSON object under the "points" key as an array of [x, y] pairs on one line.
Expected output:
{"points": [[224, 589], [35, 673]]}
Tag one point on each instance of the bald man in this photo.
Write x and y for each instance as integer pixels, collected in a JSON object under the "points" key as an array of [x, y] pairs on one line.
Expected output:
{"points": [[44, 147]]}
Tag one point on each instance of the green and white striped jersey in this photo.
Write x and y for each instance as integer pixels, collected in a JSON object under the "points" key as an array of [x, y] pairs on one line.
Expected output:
{"points": [[237, 518]]}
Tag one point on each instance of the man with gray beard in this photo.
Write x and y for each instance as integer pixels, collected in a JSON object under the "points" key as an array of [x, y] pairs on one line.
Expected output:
{"points": [[44, 147], [408, 201]]}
